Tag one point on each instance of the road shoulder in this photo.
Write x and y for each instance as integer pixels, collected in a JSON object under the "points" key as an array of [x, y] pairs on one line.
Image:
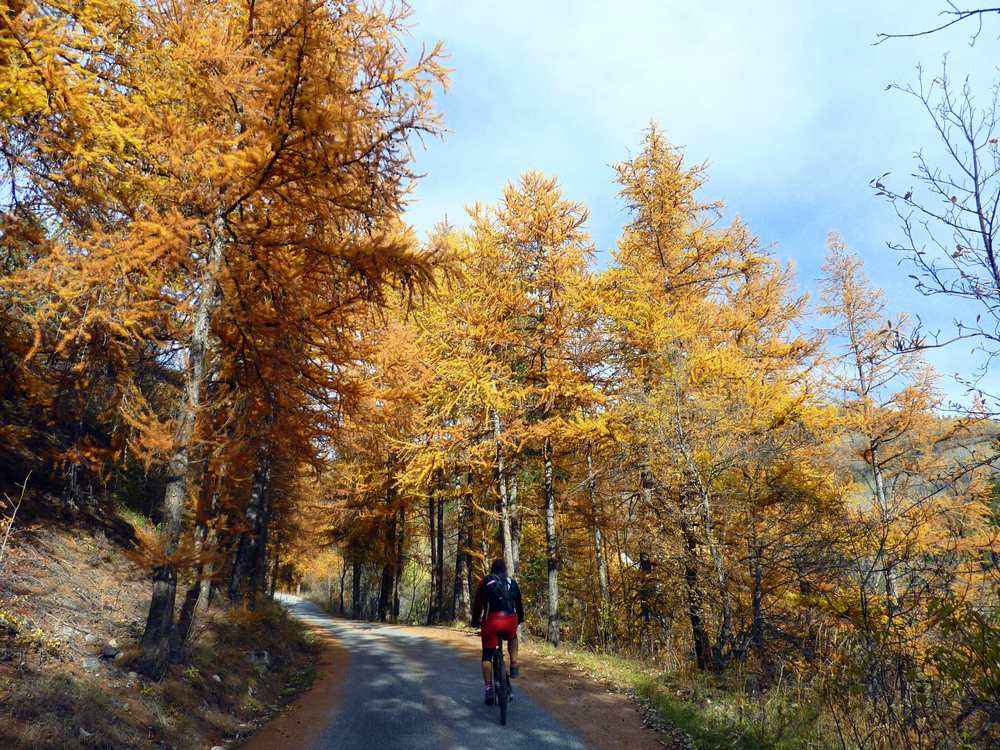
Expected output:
{"points": [[303, 720]]}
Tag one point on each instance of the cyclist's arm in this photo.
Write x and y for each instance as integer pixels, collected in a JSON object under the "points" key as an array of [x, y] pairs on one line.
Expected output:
{"points": [[478, 605], [518, 605]]}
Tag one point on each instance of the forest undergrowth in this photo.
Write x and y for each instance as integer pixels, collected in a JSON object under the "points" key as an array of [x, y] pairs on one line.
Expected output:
{"points": [[71, 608]]}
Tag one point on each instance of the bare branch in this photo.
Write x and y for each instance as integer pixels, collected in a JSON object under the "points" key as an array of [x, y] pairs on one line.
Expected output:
{"points": [[954, 16]]}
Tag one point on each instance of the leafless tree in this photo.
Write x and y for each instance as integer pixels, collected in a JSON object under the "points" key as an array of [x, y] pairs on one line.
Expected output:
{"points": [[949, 215]]}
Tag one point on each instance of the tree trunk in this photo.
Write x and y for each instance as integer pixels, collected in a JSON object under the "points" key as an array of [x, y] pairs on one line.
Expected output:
{"points": [[197, 594], [356, 589], [722, 648], [275, 569], [756, 605], [400, 561], [154, 650], [343, 576], [248, 565], [388, 573], [699, 634], [604, 603], [433, 613], [207, 574], [880, 564], [552, 633], [506, 540], [461, 606], [385, 593], [647, 586], [185, 619], [515, 524], [440, 560], [387, 589]]}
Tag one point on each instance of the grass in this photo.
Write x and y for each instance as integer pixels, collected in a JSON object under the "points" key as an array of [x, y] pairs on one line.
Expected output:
{"points": [[137, 519], [714, 715]]}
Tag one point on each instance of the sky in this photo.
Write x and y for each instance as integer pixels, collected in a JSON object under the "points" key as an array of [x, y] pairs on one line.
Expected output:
{"points": [[787, 102]]}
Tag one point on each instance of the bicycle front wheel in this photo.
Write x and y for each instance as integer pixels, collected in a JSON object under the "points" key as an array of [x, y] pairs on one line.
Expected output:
{"points": [[502, 691]]}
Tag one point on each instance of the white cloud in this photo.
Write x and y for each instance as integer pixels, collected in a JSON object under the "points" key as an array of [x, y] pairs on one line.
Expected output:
{"points": [[786, 99]]}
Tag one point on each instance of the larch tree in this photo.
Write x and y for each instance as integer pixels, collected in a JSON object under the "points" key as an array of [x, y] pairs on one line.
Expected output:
{"points": [[701, 322], [547, 248], [274, 175], [919, 514]]}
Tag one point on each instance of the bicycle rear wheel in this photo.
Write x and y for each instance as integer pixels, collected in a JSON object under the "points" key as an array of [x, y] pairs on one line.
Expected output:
{"points": [[501, 684]]}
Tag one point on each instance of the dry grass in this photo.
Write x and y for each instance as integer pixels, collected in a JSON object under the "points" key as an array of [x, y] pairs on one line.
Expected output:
{"points": [[71, 592]]}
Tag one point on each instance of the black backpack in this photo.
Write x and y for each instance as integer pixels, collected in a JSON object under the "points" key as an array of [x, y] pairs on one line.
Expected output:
{"points": [[499, 593]]}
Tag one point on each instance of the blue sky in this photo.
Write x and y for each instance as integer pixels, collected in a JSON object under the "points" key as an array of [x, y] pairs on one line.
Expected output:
{"points": [[786, 100]]}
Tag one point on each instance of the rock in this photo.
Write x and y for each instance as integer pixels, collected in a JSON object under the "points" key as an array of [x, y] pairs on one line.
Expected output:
{"points": [[218, 747], [90, 638], [91, 663], [110, 651], [84, 734], [216, 678]]}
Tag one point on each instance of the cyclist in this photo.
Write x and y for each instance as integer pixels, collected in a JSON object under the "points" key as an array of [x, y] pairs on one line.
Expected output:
{"points": [[499, 599]]}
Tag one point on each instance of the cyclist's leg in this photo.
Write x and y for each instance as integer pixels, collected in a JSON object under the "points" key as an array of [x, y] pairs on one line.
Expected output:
{"points": [[512, 647], [488, 667], [488, 635]]}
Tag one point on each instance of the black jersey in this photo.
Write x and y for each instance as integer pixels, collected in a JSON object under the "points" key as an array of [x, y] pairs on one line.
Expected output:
{"points": [[497, 594]]}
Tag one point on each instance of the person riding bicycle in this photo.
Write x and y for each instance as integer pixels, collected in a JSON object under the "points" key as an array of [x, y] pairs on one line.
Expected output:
{"points": [[499, 599]]}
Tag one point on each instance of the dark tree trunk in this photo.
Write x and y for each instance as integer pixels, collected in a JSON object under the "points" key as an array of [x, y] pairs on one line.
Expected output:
{"points": [[275, 568], [207, 568], [647, 591], [356, 589], [154, 649], [702, 648], [249, 564], [440, 559], [197, 594], [385, 593], [185, 619], [432, 604], [388, 577], [154, 655], [343, 576], [387, 587], [757, 607], [400, 561]]}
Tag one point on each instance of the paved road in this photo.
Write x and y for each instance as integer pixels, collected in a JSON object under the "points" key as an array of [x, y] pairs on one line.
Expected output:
{"points": [[408, 692]]}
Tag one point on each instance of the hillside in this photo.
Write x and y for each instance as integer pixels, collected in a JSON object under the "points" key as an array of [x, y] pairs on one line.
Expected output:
{"points": [[72, 605]]}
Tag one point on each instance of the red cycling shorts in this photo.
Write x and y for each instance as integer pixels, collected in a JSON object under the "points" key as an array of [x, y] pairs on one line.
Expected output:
{"points": [[498, 623]]}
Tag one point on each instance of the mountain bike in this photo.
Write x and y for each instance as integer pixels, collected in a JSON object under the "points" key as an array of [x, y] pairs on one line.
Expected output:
{"points": [[501, 680]]}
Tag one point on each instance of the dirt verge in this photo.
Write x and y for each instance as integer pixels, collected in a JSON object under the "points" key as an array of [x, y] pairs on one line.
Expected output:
{"points": [[303, 720]]}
